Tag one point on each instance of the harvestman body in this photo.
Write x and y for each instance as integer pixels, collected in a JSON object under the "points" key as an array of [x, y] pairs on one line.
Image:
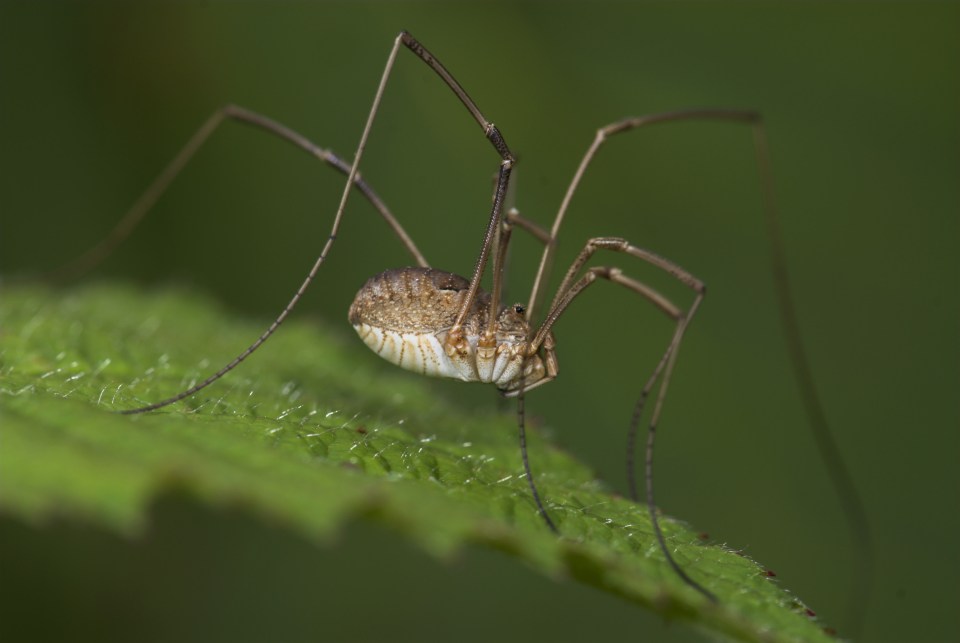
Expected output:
{"points": [[437, 323], [406, 316]]}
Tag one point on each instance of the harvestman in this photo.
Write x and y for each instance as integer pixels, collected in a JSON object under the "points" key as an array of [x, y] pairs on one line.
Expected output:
{"points": [[441, 324]]}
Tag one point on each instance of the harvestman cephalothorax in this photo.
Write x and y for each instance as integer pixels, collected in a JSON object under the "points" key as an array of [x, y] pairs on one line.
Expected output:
{"points": [[441, 324]]}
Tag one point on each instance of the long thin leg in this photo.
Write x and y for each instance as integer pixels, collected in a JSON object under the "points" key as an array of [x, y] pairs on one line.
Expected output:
{"points": [[850, 500], [455, 339], [635, 425], [521, 425], [511, 219], [662, 372], [501, 247], [604, 133], [671, 358], [338, 218], [841, 479], [125, 226], [570, 289], [492, 134], [514, 218]]}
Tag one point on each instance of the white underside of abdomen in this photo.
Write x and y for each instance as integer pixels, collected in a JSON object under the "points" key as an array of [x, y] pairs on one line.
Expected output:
{"points": [[424, 353]]}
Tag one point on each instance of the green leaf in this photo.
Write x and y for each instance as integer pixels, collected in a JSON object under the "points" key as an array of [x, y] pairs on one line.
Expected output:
{"points": [[310, 436]]}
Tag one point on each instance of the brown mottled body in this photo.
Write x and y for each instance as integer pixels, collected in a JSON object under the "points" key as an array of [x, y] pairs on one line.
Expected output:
{"points": [[408, 316]]}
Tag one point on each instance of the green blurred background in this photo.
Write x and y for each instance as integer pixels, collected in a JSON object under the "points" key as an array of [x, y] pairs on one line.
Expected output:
{"points": [[861, 102]]}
